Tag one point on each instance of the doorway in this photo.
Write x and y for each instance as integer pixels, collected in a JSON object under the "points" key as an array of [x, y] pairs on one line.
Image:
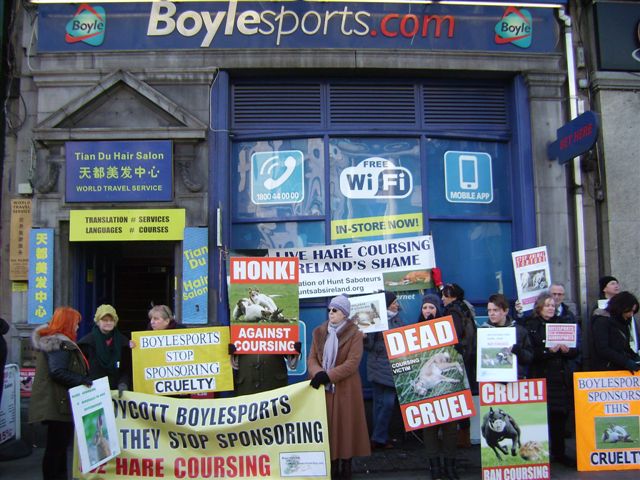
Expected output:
{"points": [[131, 276]]}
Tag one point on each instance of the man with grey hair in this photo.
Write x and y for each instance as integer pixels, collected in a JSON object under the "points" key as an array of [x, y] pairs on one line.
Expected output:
{"points": [[557, 291]]}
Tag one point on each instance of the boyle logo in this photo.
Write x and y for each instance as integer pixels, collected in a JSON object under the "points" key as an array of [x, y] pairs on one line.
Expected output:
{"points": [[515, 27], [376, 177], [87, 25]]}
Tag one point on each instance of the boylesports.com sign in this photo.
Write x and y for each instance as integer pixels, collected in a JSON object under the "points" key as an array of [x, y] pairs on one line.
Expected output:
{"points": [[164, 25]]}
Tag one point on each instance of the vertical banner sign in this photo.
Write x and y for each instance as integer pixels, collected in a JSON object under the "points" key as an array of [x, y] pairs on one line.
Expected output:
{"points": [[607, 420], [532, 273], [19, 242], [195, 275], [263, 298], [10, 405], [429, 374], [40, 303], [515, 439]]}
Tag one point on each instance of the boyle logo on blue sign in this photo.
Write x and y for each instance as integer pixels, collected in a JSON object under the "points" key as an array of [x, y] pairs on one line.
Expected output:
{"points": [[467, 177], [277, 177]]}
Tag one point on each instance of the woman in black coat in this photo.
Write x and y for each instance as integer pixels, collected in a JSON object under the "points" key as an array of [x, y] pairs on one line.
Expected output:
{"points": [[554, 365], [611, 335]]}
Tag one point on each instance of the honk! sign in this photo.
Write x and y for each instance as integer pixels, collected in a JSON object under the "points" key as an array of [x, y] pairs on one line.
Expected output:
{"points": [[429, 373]]}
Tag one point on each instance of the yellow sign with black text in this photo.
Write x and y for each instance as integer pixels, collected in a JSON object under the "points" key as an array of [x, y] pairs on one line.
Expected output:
{"points": [[126, 225], [281, 433], [364, 227]]}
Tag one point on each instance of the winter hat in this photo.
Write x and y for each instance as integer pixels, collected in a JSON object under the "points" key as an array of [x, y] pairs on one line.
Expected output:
{"points": [[605, 280], [435, 300], [342, 303], [103, 311], [390, 297]]}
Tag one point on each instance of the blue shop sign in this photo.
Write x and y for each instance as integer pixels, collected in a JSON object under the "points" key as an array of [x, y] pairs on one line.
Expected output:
{"points": [[164, 25], [468, 177], [574, 138], [127, 171]]}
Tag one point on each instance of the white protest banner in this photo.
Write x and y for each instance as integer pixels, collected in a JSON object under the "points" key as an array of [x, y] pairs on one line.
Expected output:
{"points": [[515, 439], [369, 313], [561, 334], [359, 268], [531, 270], [182, 361], [95, 424], [428, 373], [494, 361], [10, 405]]}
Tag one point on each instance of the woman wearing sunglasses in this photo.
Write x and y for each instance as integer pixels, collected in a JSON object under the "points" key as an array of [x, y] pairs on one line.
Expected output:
{"points": [[334, 358]]}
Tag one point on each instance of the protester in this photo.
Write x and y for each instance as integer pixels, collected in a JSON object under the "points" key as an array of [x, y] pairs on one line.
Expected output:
{"points": [[262, 372], [553, 364], [105, 346], [4, 328], [440, 440], [609, 287], [60, 366], [381, 378], [334, 359], [498, 312], [611, 335], [161, 318]]}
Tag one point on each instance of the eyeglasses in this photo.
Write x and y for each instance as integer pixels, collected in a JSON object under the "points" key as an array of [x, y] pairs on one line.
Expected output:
{"points": [[334, 310]]}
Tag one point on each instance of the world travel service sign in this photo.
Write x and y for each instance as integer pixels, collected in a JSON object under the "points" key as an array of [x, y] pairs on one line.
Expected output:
{"points": [[164, 25], [574, 138]]}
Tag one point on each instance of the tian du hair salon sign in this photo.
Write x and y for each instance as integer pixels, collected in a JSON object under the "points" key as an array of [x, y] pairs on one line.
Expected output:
{"points": [[126, 171]]}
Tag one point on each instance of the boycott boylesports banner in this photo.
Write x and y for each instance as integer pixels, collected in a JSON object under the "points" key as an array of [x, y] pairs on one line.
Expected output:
{"points": [[428, 373], [263, 298], [182, 361], [281, 433], [513, 426], [364, 267], [607, 420]]}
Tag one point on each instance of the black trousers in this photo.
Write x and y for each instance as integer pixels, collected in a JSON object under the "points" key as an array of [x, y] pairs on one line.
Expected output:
{"points": [[54, 462], [556, 422]]}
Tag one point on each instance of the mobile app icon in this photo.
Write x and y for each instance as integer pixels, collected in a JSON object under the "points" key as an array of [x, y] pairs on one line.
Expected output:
{"points": [[516, 27], [87, 25]]}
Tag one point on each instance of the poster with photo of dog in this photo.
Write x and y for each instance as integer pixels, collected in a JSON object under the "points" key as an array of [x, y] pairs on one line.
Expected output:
{"points": [[513, 428], [369, 313], [532, 273], [263, 304], [429, 375], [494, 361]]}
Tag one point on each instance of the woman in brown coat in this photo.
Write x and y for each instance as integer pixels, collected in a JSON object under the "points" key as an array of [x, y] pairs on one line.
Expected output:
{"points": [[334, 359]]}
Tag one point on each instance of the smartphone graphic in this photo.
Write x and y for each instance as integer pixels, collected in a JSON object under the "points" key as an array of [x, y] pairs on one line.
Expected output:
{"points": [[468, 166]]}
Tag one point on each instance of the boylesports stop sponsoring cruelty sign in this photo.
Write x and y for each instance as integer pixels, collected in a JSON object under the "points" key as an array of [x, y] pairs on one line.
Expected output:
{"points": [[277, 434], [607, 420], [182, 361]]}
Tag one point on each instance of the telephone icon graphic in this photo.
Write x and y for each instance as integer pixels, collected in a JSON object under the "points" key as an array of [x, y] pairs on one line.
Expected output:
{"points": [[270, 164]]}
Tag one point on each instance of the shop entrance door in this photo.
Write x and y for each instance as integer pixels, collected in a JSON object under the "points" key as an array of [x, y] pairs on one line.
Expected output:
{"points": [[131, 276]]}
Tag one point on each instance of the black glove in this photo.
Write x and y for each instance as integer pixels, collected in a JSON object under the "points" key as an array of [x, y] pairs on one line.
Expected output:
{"points": [[633, 365], [516, 349], [87, 382], [297, 347], [232, 349], [121, 388], [320, 378]]}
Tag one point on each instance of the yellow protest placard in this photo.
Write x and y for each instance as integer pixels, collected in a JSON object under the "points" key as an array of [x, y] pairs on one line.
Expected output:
{"points": [[126, 225], [607, 420], [281, 433], [182, 361]]}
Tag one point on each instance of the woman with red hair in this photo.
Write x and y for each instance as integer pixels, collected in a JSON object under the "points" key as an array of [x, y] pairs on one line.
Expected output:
{"points": [[60, 366]]}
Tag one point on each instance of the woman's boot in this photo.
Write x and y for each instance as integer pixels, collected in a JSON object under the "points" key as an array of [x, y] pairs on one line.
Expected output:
{"points": [[436, 468], [450, 469], [345, 469], [335, 469]]}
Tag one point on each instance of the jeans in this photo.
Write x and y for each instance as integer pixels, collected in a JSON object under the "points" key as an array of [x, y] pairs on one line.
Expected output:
{"points": [[384, 399]]}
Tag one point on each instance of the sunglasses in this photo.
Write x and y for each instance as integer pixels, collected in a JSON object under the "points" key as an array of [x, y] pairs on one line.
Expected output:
{"points": [[334, 310]]}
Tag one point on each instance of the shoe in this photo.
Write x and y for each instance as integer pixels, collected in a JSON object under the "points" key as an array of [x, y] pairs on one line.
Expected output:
{"points": [[382, 446]]}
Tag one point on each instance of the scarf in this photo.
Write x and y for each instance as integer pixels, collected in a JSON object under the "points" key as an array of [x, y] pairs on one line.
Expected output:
{"points": [[108, 349], [330, 351]]}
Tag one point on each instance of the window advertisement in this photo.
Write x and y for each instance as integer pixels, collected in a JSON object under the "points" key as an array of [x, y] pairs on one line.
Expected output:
{"points": [[468, 178], [278, 179], [265, 235], [483, 248], [375, 189], [123, 171]]}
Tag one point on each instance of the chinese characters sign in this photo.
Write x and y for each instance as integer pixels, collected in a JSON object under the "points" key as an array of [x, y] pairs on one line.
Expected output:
{"points": [[19, 244], [40, 304], [130, 171]]}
